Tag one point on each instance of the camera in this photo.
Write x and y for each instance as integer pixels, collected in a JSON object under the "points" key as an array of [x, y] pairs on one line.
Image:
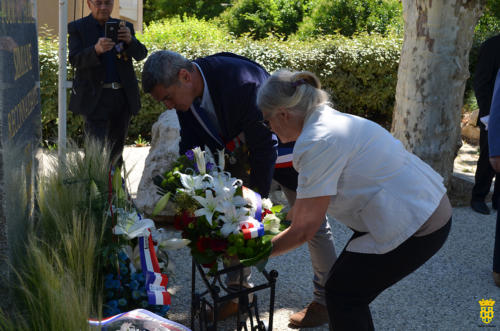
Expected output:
{"points": [[111, 31]]}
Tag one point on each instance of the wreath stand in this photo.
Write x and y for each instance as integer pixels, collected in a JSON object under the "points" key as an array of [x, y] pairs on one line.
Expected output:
{"points": [[211, 297]]}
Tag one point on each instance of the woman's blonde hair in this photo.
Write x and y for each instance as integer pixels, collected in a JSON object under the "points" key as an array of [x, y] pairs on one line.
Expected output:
{"points": [[299, 92]]}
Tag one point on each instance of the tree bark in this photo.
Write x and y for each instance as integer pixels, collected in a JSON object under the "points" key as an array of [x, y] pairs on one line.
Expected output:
{"points": [[432, 73]]}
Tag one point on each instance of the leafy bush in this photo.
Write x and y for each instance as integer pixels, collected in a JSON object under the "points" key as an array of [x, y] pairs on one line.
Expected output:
{"points": [[348, 17], [360, 73], [49, 67], [160, 9], [260, 18]]}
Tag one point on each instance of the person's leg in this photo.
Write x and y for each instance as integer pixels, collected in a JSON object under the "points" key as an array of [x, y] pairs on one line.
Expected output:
{"points": [[117, 125], [323, 256], [496, 250], [357, 279], [484, 172]]}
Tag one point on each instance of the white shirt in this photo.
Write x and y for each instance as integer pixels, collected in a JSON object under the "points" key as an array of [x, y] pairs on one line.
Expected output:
{"points": [[376, 186], [207, 104]]}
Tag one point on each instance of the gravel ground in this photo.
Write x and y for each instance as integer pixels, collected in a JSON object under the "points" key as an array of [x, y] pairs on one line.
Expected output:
{"points": [[441, 295]]}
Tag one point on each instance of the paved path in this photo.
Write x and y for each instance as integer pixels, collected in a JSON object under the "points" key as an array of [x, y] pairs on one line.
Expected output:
{"points": [[441, 295]]}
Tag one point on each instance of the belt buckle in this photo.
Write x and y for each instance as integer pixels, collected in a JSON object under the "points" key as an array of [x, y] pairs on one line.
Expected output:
{"points": [[115, 86]]}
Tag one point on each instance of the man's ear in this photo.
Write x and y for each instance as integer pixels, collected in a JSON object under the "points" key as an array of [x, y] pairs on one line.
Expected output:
{"points": [[184, 76]]}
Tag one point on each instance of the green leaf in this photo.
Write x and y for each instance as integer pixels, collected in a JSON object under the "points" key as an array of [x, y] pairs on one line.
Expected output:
{"points": [[276, 209], [161, 204]]}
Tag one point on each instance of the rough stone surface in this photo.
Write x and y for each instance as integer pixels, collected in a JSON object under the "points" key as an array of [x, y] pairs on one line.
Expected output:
{"points": [[163, 152]]}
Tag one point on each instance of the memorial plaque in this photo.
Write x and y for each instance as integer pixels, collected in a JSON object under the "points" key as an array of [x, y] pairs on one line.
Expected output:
{"points": [[20, 125]]}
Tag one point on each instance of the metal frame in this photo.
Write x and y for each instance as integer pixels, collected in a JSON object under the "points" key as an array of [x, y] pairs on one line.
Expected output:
{"points": [[211, 297]]}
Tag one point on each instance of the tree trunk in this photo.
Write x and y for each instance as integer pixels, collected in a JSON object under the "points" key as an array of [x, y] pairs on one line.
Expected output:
{"points": [[432, 73]]}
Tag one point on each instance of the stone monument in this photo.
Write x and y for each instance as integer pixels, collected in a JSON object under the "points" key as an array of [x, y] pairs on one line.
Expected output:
{"points": [[164, 151], [20, 129]]}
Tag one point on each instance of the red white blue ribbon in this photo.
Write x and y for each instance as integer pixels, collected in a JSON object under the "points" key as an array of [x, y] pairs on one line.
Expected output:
{"points": [[156, 282], [140, 316], [156, 288], [251, 228], [285, 157]]}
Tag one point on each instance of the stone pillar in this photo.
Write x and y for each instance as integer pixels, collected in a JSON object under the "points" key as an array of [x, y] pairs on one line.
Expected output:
{"points": [[20, 128]]}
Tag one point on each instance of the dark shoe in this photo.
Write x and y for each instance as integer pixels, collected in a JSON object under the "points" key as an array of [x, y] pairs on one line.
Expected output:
{"points": [[480, 207], [496, 278], [315, 314], [226, 309], [494, 203]]}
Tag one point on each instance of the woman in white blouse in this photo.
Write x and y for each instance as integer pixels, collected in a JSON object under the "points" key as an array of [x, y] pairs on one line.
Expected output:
{"points": [[356, 171]]}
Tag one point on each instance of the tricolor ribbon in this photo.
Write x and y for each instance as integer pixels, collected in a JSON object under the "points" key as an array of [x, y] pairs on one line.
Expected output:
{"points": [[156, 282], [140, 316], [156, 288], [251, 229], [285, 157]]}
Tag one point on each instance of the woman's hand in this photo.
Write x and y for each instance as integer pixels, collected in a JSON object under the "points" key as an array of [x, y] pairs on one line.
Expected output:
{"points": [[307, 216]]}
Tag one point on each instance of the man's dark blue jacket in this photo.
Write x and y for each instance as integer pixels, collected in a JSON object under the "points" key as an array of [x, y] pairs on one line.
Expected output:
{"points": [[233, 82], [90, 70]]}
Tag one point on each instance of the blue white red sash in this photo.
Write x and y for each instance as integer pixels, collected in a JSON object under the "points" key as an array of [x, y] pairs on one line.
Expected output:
{"points": [[285, 157], [156, 282], [139, 316]]}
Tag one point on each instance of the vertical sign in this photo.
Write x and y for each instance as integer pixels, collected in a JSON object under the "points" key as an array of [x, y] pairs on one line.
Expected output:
{"points": [[20, 124]]}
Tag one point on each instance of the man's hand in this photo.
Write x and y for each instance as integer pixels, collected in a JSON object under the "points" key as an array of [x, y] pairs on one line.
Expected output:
{"points": [[495, 163], [103, 45], [124, 34]]}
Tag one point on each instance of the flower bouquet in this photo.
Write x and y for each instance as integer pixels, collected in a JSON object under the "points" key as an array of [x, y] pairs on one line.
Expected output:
{"points": [[219, 216], [134, 277]]}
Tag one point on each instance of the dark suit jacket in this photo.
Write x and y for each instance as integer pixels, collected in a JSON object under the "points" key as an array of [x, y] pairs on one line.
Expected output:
{"points": [[485, 73], [233, 82], [90, 71]]}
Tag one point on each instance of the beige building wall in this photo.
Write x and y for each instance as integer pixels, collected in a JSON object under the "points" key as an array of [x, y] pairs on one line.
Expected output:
{"points": [[48, 12]]}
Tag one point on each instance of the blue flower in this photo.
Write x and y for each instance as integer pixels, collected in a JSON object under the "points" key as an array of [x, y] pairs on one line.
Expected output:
{"points": [[122, 256], [136, 294], [109, 294], [124, 270], [144, 304], [122, 302], [134, 285], [116, 284], [112, 304], [108, 277], [190, 155], [210, 166], [109, 283]]}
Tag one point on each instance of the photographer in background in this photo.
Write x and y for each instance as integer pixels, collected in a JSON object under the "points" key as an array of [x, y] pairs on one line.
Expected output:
{"points": [[105, 90]]}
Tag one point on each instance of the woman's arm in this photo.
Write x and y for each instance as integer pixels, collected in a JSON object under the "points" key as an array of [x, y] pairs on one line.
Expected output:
{"points": [[308, 214]]}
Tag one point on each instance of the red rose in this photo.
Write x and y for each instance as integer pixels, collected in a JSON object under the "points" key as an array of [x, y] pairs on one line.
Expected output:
{"points": [[182, 221], [202, 244], [218, 245]]}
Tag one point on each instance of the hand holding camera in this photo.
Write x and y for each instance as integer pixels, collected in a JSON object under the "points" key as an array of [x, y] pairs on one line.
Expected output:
{"points": [[124, 33], [103, 45]]}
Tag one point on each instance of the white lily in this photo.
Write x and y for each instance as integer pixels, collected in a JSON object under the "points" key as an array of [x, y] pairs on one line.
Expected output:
{"points": [[222, 160], [192, 183], [271, 223], [209, 204], [225, 186], [130, 225], [162, 237], [231, 217], [199, 157]]}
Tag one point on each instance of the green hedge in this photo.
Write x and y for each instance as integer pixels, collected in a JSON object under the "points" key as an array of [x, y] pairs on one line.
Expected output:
{"points": [[360, 73]]}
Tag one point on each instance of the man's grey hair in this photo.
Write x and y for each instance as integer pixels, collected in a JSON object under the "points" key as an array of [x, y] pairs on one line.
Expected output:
{"points": [[162, 67]]}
